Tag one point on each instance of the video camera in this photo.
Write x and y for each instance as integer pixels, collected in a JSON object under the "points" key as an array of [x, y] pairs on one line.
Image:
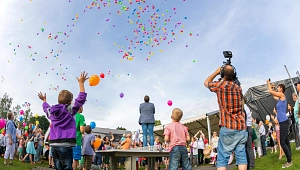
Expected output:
{"points": [[228, 55]]}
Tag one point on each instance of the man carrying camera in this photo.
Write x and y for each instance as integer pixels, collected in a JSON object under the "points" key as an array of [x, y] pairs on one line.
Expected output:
{"points": [[233, 134]]}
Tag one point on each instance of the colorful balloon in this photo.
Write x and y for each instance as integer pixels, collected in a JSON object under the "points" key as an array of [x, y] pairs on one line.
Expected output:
{"points": [[170, 102], [267, 122], [36, 116], [33, 127], [24, 124], [37, 122], [26, 133], [94, 80], [2, 123], [21, 118], [21, 112], [102, 75], [268, 117], [121, 95], [26, 127], [93, 125]]}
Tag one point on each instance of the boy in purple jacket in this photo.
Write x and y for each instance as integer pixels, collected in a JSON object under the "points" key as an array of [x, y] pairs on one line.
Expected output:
{"points": [[63, 129]]}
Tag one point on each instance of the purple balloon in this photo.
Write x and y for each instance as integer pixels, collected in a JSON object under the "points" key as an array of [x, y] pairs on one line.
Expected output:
{"points": [[121, 95]]}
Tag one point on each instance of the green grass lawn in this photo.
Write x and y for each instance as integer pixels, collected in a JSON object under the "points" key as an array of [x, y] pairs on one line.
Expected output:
{"points": [[271, 162], [17, 165]]}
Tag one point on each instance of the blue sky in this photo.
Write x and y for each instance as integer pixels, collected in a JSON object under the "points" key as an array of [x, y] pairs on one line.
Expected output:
{"points": [[263, 36]]}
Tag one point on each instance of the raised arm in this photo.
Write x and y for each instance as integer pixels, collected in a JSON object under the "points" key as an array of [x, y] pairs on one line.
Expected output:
{"points": [[276, 95], [112, 136], [212, 77]]}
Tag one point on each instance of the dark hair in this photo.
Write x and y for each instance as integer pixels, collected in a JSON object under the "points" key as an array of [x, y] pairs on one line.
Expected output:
{"points": [[257, 120], [228, 72], [282, 86], [9, 115], [88, 129], [147, 99]]}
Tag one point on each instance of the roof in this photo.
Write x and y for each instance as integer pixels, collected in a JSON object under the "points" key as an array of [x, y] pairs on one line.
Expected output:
{"points": [[195, 124]]}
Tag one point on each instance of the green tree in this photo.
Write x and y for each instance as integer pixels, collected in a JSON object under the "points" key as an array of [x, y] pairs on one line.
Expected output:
{"points": [[5, 104], [43, 122], [16, 111], [157, 123], [121, 128], [27, 115]]}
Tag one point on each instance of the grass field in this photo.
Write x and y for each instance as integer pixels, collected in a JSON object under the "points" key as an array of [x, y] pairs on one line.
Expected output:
{"points": [[269, 162]]}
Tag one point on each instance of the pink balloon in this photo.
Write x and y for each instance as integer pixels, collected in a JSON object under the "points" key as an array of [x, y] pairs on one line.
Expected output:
{"points": [[170, 102], [2, 123], [24, 124], [21, 112]]}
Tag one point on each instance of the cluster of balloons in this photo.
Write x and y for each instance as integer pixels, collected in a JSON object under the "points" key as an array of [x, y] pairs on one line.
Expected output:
{"points": [[92, 125], [95, 79]]}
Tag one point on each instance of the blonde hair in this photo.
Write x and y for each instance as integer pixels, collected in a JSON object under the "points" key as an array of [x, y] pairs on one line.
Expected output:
{"points": [[65, 97], [177, 114]]}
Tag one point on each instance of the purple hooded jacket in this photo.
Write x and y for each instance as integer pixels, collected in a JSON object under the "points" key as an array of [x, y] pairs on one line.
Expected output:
{"points": [[63, 127]]}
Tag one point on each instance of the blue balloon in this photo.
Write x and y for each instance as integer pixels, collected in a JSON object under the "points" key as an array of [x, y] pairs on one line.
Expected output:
{"points": [[33, 127], [21, 118], [93, 125]]}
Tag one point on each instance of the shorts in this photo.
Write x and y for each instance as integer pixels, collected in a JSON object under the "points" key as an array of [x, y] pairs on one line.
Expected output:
{"points": [[106, 159], [76, 153], [232, 140], [87, 161], [20, 150], [158, 159]]}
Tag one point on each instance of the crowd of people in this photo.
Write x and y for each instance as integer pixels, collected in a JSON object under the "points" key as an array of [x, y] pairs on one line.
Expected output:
{"points": [[72, 143]]}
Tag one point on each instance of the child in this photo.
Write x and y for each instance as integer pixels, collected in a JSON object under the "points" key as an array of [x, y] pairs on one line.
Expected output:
{"points": [[88, 148], [106, 158], [30, 149], [20, 148], [158, 160], [177, 135], [63, 129]]}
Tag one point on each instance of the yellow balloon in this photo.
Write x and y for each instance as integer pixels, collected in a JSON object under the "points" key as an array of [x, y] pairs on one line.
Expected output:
{"points": [[36, 115], [37, 122]]}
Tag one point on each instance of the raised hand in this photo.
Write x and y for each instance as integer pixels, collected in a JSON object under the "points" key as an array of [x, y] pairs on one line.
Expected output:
{"points": [[42, 97], [83, 77]]}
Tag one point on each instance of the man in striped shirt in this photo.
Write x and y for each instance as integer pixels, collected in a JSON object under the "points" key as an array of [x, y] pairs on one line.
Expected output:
{"points": [[233, 134]]}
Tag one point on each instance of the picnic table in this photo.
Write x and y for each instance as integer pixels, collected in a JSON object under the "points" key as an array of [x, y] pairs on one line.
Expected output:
{"points": [[131, 155]]}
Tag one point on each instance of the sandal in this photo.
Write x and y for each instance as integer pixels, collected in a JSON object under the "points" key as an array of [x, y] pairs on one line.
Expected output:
{"points": [[5, 163]]}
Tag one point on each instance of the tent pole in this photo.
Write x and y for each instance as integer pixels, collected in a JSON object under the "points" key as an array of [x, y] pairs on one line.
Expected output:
{"points": [[290, 79], [208, 126]]}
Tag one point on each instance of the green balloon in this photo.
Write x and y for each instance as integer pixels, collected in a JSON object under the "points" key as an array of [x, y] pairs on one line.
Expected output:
{"points": [[26, 127]]}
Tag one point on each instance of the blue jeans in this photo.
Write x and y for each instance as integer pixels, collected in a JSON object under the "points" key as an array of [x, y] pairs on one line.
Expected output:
{"points": [[98, 159], [148, 127], [232, 140], [179, 155], [62, 157], [39, 151]]}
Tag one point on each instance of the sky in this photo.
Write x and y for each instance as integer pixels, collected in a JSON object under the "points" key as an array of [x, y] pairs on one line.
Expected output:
{"points": [[176, 45]]}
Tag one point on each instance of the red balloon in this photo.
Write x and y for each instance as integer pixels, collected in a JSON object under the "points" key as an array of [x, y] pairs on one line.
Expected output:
{"points": [[102, 75]]}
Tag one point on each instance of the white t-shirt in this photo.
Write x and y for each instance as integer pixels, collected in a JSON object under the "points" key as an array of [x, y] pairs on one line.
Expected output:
{"points": [[249, 116], [18, 132], [195, 147], [200, 143]]}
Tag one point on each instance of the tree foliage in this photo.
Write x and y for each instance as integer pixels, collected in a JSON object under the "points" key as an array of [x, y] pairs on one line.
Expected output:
{"points": [[121, 128], [5, 104], [157, 123], [43, 122]]}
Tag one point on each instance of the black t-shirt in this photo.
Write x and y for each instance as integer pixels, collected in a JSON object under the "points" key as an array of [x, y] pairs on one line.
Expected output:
{"points": [[292, 117]]}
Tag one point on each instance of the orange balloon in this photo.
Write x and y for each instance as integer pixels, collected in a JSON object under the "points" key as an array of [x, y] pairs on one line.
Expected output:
{"points": [[97, 143], [267, 122], [94, 80]]}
